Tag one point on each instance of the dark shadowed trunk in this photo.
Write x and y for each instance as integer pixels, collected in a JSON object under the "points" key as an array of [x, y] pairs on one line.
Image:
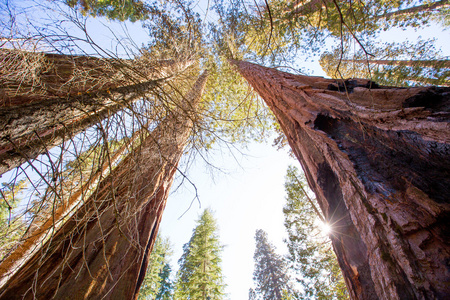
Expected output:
{"points": [[36, 126], [101, 252], [378, 160]]}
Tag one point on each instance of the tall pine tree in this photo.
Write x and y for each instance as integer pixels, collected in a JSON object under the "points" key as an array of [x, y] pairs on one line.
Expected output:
{"points": [[311, 257], [270, 271], [200, 274]]}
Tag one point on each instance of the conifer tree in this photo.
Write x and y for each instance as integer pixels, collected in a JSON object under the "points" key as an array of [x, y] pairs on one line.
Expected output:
{"points": [[311, 257], [200, 274], [157, 284], [270, 270]]}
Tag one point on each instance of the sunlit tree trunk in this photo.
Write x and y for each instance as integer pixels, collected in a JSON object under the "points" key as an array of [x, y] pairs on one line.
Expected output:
{"points": [[35, 126], [101, 252], [27, 77], [416, 9], [410, 63], [378, 160]]}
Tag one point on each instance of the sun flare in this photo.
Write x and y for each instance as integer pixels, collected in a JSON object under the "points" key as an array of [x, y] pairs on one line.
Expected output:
{"points": [[326, 228]]}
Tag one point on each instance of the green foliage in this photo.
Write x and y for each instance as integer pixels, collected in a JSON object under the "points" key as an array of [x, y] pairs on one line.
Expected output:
{"points": [[200, 273], [12, 227], [270, 275], [311, 257], [157, 283], [121, 10]]}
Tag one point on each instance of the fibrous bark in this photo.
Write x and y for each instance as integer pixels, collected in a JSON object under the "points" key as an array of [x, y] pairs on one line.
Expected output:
{"points": [[378, 160], [27, 77], [37, 125], [101, 252]]}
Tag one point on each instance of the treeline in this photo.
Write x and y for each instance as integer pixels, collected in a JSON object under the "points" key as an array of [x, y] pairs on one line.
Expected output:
{"points": [[309, 271]]}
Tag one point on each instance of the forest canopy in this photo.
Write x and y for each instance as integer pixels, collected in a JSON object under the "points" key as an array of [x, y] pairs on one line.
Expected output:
{"points": [[84, 84]]}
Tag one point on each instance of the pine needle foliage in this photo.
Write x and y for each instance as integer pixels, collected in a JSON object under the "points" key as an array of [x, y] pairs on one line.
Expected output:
{"points": [[311, 258], [200, 273], [157, 284], [270, 270]]}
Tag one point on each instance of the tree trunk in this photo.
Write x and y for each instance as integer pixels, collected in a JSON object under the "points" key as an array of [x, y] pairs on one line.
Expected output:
{"points": [[102, 251], [416, 9], [378, 160], [31, 129], [27, 77], [411, 63]]}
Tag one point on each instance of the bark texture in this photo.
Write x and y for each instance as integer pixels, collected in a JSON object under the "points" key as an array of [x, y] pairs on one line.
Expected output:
{"points": [[27, 77], [37, 125], [101, 252], [378, 160]]}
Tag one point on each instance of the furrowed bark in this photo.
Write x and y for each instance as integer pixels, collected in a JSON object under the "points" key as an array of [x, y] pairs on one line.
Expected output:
{"points": [[33, 128], [27, 77], [102, 251], [378, 159]]}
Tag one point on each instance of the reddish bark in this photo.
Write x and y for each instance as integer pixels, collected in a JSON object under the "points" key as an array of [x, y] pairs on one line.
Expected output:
{"points": [[30, 129], [27, 77], [378, 160], [102, 250]]}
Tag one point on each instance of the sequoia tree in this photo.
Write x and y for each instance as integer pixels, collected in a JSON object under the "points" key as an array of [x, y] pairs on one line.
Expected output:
{"points": [[101, 252], [378, 160], [69, 94]]}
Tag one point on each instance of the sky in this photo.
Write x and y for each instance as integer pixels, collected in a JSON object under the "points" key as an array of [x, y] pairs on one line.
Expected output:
{"points": [[247, 194]]}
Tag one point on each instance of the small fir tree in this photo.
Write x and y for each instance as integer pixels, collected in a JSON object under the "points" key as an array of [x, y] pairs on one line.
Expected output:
{"points": [[200, 273], [270, 275]]}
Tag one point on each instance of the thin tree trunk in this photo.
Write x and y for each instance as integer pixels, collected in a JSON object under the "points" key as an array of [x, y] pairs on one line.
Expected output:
{"points": [[102, 251], [416, 9], [31, 129], [378, 160], [445, 63]]}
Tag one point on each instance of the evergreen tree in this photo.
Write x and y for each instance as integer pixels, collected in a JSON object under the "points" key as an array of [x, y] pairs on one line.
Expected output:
{"points": [[200, 274], [311, 257], [270, 270], [157, 283]]}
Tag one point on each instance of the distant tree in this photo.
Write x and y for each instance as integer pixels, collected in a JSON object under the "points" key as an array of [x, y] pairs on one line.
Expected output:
{"points": [[131, 10], [157, 283], [12, 226], [311, 257], [270, 275], [200, 273]]}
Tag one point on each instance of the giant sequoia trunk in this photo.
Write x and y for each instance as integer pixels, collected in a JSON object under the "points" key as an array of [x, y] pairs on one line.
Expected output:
{"points": [[27, 77], [36, 125], [101, 252], [378, 160]]}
